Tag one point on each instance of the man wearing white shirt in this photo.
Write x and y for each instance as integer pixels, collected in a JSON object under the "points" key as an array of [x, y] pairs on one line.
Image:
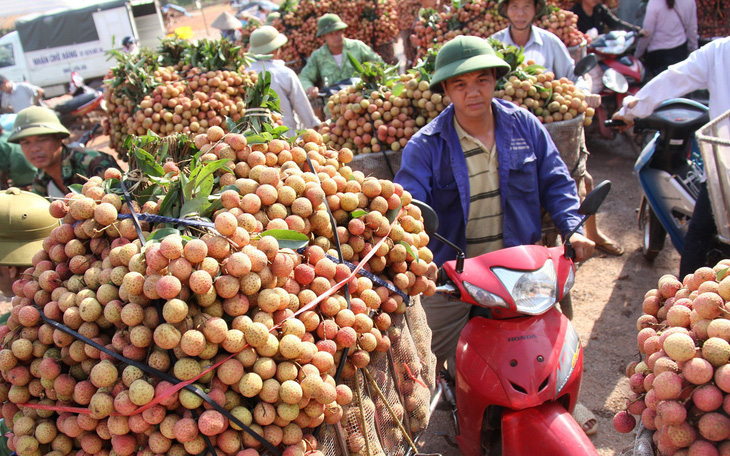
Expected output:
{"points": [[539, 45], [705, 68], [266, 42], [546, 50], [17, 96]]}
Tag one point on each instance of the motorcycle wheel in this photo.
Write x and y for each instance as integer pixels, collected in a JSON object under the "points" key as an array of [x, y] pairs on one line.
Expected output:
{"points": [[492, 443], [654, 233]]}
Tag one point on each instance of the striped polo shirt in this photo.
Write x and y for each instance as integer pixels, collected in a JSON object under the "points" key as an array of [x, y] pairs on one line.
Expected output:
{"points": [[484, 232]]}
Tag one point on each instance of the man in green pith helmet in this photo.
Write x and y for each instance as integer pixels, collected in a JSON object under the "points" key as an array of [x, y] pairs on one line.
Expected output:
{"points": [[40, 135], [265, 44], [486, 167], [272, 17], [329, 64], [24, 223], [14, 168]]}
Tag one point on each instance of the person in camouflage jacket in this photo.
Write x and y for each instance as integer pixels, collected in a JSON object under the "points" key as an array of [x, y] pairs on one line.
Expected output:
{"points": [[329, 64], [40, 135]]}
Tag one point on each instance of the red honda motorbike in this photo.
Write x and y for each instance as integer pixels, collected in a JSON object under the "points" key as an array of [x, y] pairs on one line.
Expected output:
{"points": [[619, 72], [84, 100], [519, 361]]}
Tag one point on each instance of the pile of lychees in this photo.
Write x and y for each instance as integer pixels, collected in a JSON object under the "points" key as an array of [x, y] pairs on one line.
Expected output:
{"points": [[680, 388], [258, 329]]}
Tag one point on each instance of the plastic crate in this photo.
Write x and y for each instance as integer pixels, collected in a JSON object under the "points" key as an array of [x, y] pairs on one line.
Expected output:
{"points": [[714, 142]]}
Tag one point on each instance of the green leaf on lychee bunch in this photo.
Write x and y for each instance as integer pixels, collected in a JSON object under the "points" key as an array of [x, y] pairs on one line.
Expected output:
{"points": [[721, 274], [393, 213], [410, 250], [288, 239], [76, 188], [196, 205], [398, 89], [358, 213], [162, 233]]}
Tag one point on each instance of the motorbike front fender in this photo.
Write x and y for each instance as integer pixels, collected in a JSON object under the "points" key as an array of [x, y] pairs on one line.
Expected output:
{"points": [[547, 430]]}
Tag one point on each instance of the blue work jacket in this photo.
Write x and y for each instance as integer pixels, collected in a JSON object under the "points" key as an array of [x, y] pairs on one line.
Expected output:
{"points": [[531, 175]]}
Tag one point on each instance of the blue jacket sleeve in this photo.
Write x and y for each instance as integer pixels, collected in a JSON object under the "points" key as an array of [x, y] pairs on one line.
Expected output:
{"points": [[558, 193], [415, 173]]}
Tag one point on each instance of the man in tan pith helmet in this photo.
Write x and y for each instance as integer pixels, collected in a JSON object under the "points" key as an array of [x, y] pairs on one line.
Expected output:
{"points": [[24, 224]]}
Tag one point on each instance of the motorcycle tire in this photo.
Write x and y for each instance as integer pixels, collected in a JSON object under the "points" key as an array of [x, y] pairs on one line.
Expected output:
{"points": [[654, 233]]}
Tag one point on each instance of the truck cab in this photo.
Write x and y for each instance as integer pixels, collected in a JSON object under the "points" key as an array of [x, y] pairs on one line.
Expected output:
{"points": [[48, 47], [12, 59]]}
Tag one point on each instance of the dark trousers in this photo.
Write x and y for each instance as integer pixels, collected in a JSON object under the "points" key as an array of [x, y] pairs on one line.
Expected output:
{"points": [[700, 232], [658, 61]]}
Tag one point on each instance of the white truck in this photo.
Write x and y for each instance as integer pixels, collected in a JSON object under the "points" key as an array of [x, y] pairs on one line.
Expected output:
{"points": [[47, 47]]}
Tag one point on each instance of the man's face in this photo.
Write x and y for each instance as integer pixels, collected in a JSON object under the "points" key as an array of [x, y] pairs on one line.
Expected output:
{"points": [[521, 13], [334, 39], [472, 93], [6, 86], [42, 151]]}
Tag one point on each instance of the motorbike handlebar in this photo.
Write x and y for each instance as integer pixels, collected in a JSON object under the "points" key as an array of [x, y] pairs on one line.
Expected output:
{"points": [[611, 123]]}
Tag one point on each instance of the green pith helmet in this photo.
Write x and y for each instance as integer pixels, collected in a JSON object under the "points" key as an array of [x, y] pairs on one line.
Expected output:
{"points": [[265, 40], [24, 223], [36, 120], [272, 17], [540, 7], [465, 54], [329, 23]]}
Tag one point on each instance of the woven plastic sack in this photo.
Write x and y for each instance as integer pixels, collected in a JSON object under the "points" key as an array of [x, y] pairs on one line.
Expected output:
{"points": [[378, 164], [568, 138], [393, 396]]}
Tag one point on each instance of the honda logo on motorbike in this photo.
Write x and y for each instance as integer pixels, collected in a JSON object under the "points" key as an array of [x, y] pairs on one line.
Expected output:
{"points": [[519, 338]]}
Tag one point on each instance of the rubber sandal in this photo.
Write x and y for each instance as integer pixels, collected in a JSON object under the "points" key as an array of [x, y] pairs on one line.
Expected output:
{"points": [[583, 416], [610, 248]]}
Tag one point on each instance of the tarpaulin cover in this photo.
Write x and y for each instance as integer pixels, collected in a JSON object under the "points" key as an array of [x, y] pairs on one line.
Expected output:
{"points": [[62, 28]]}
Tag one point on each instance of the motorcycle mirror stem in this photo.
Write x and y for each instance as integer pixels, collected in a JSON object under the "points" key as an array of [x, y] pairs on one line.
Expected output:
{"points": [[431, 224], [589, 207]]}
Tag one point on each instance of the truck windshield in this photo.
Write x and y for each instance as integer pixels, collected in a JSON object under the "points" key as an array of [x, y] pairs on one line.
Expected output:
{"points": [[7, 58]]}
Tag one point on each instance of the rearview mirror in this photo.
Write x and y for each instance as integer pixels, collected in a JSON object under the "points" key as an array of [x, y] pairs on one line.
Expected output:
{"points": [[430, 219], [585, 64], [595, 198], [613, 80]]}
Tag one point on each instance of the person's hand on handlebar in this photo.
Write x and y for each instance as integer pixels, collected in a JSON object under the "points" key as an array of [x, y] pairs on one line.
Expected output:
{"points": [[629, 122], [313, 92], [644, 33], [582, 246]]}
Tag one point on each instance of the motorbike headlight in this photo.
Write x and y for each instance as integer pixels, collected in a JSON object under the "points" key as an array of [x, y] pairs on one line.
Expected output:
{"points": [[483, 297], [534, 292], [569, 282]]}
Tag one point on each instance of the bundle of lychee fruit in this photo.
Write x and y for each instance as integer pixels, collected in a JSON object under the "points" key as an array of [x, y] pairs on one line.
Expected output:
{"points": [[374, 22], [368, 121], [185, 100], [143, 328], [680, 387], [481, 18]]}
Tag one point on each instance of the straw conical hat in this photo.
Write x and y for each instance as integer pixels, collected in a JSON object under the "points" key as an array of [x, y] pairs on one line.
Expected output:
{"points": [[226, 21]]}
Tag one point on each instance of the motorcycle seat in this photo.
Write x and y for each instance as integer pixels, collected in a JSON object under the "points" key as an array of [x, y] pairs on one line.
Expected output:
{"points": [[75, 103]]}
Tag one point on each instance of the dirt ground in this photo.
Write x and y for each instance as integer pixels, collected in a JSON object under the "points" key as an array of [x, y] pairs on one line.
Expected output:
{"points": [[607, 296], [607, 301]]}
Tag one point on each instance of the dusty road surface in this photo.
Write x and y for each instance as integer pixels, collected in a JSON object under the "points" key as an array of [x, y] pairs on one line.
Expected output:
{"points": [[607, 301]]}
